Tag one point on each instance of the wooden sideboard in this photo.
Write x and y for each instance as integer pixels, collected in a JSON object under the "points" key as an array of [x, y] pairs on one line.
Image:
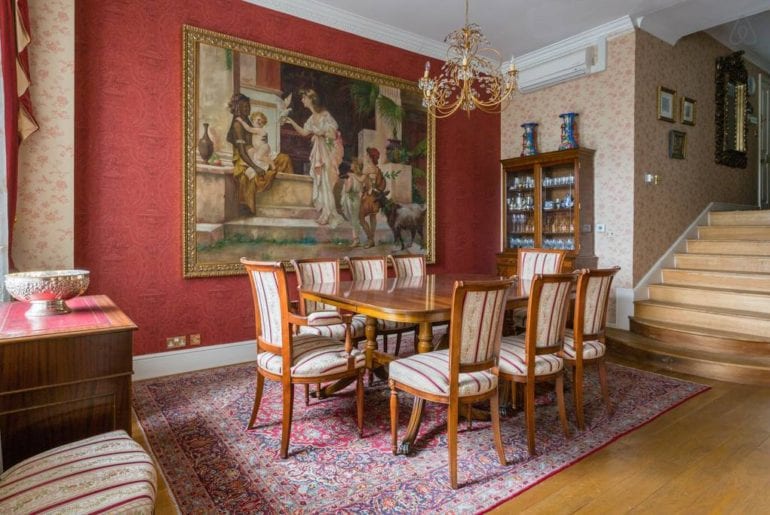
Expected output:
{"points": [[63, 377]]}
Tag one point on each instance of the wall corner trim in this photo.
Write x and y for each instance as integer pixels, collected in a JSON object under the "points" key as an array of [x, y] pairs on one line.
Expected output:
{"points": [[341, 19]]}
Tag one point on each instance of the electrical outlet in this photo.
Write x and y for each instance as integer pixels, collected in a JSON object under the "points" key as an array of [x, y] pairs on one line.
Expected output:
{"points": [[175, 342], [195, 339]]}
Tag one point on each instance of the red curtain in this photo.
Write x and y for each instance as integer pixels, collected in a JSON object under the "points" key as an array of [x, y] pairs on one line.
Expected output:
{"points": [[19, 119]]}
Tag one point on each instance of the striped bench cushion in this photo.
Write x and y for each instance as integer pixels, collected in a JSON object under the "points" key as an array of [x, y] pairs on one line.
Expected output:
{"points": [[105, 473], [337, 331], [591, 348], [512, 354], [313, 356], [429, 372]]}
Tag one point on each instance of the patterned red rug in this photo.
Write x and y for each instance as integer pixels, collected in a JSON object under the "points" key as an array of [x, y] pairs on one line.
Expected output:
{"points": [[195, 425]]}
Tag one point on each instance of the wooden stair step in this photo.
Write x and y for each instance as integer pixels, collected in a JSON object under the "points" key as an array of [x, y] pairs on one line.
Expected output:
{"points": [[748, 217], [720, 298], [760, 264], [742, 247], [717, 279], [733, 232], [721, 338], [634, 347], [736, 320]]}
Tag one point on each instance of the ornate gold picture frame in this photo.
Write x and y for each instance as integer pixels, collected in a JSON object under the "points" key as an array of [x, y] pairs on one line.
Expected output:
{"points": [[288, 156]]}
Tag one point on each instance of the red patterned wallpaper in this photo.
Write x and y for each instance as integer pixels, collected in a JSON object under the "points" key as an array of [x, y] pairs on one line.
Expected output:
{"points": [[128, 161]]}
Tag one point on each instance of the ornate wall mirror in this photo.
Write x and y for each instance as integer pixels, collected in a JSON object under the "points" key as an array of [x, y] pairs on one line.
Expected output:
{"points": [[731, 111]]}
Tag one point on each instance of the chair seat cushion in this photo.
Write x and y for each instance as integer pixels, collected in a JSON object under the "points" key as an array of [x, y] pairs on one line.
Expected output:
{"points": [[429, 372], [105, 473], [512, 354], [389, 325], [324, 318], [337, 330], [314, 356], [592, 349]]}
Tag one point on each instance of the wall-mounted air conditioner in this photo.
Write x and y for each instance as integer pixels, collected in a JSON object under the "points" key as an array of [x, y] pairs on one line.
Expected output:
{"points": [[559, 69]]}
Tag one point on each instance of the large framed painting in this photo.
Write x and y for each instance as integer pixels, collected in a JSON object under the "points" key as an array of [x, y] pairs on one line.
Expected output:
{"points": [[288, 156]]}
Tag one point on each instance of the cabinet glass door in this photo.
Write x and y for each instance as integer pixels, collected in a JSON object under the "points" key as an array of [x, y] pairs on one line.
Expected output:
{"points": [[558, 205], [519, 219]]}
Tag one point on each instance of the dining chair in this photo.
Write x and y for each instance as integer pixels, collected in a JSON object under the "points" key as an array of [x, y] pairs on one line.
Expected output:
{"points": [[584, 343], [533, 357], [532, 261], [408, 265], [291, 358], [323, 319], [463, 374], [364, 268]]}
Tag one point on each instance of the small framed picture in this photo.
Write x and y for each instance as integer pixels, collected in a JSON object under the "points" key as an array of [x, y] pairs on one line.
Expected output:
{"points": [[687, 111], [677, 144], [666, 104]]}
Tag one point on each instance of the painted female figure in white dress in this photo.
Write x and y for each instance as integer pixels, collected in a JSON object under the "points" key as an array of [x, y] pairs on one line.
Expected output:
{"points": [[325, 156]]}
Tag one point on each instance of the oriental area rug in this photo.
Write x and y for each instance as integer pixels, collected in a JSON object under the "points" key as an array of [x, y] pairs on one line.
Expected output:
{"points": [[195, 424]]}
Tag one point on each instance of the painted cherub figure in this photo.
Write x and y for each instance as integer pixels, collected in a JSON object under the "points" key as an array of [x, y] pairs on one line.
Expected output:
{"points": [[260, 151]]}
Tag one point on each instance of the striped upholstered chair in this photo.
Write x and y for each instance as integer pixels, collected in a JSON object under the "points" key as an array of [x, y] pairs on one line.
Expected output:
{"points": [[531, 262], [364, 268], [408, 265], [291, 358], [584, 344], [107, 473], [464, 373], [324, 320], [534, 356]]}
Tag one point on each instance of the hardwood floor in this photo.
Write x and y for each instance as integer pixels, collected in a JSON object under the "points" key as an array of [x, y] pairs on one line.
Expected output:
{"points": [[709, 455]]}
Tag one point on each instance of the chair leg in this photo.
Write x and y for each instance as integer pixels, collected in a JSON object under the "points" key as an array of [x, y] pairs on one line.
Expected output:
{"points": [[257, 399], [307, 394], [577, 395], [454, 413], [494, 413], [605, 389], [384, 343], [394, 418], [513, 395], [398, 343], [288, 405], [468, 416], [560, 402], [360, 402], [529, 406]]}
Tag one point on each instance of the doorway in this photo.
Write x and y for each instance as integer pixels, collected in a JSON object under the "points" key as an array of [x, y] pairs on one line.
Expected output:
{"points": [[763, 195]]}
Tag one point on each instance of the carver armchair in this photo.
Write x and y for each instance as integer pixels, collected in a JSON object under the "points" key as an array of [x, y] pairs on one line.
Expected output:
{"points": [[290, 358]]}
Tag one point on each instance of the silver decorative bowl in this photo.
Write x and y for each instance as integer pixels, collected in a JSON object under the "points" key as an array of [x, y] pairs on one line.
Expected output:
{"points": [[47, 290]]}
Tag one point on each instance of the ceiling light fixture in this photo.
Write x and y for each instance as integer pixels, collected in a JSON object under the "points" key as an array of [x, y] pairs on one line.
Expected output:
{"points": [[471, 77]]}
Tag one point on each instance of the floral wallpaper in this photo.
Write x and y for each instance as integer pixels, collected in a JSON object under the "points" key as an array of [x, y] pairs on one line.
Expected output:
{"points": [[605, 103], [44, 232], [687, 186]]}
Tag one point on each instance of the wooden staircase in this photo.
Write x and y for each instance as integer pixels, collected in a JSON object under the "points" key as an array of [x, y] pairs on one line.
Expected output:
{"points": [[710, 316]]}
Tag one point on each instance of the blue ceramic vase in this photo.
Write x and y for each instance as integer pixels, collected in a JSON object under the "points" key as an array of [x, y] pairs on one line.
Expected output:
{"points": [[569, 133], [528, 147]]}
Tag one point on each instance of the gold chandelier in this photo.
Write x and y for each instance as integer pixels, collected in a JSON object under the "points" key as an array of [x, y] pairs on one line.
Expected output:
{"points": [[471, 77]]}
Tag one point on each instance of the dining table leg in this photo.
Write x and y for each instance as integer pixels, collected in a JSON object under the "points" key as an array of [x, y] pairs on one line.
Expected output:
{"points": [[425, 338], [414, 426]]}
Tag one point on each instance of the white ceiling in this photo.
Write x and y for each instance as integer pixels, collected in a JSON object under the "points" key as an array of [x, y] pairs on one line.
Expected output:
{"points": [[519, 27]]}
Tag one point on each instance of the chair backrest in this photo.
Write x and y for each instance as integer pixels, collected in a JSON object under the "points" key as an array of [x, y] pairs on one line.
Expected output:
{"points": [[537, 261], [408, 265], [478, 309], [368, 267], [547, 313], [312, 271], [591, 299], [271, 304]]}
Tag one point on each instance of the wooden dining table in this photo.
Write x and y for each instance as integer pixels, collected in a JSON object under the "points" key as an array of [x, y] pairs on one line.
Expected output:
{"points": [[422, 300]]}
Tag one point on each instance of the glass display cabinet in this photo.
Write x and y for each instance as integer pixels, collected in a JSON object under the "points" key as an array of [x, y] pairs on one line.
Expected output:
{"points": [[547, 202]]}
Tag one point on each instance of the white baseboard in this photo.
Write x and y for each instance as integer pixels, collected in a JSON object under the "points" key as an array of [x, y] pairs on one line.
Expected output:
{"points": [[186, 360]]}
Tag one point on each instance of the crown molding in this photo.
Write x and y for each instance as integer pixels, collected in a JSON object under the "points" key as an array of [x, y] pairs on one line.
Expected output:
{"points": [[575, 43], [346, 21]]}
